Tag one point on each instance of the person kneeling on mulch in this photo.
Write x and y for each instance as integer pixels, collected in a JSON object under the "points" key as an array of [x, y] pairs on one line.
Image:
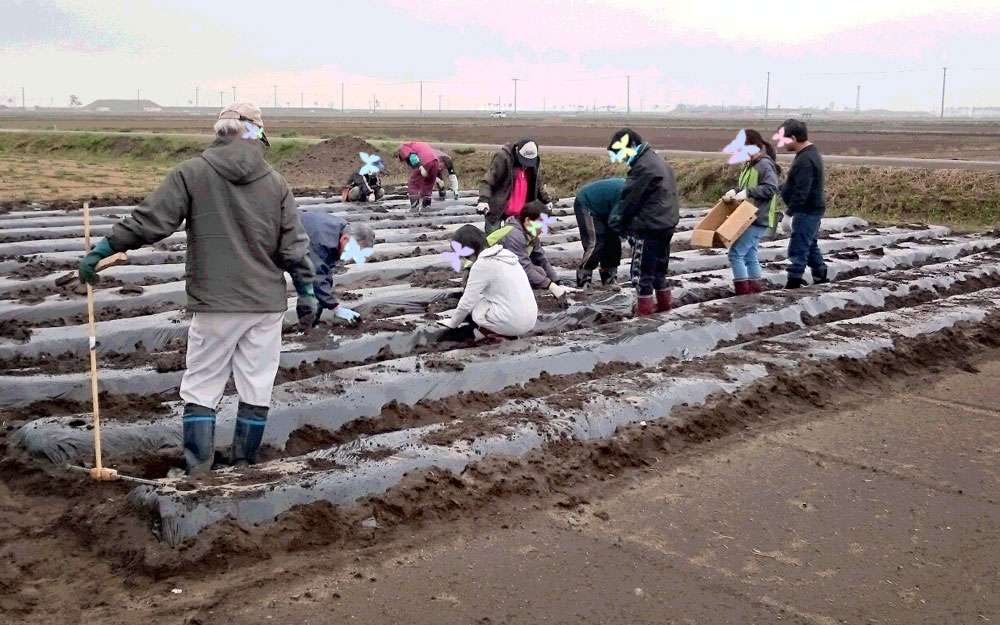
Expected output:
{"points": [[498, 296]]}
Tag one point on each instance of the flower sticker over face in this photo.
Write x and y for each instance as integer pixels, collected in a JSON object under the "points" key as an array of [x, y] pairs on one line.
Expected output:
{"points": [[373, 164], [353, 251], [253, 132], [740, 151], [542, 224], [781, 138], [624, 152], [455, 257], [414, 159]]}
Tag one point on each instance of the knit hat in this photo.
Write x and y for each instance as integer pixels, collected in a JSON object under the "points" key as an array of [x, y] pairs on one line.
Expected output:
{"points": [[526, 152]]}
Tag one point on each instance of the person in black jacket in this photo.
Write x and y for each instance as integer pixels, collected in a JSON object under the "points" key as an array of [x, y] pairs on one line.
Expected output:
{"points": [[649, 213], [803, 195]]}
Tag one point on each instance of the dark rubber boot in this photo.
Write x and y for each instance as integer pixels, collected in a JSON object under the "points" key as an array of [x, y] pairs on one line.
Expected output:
{"points": [[199, 438], [414, 203], [584, 278], [756, 285], [646, 305], [794, 283], [608, 276], [250, 422], [742, 287], [820, 278], [426, 203], [663, 300]]}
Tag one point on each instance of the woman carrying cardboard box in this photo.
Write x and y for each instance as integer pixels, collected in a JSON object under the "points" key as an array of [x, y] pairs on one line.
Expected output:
{"points": [[758, 183]]}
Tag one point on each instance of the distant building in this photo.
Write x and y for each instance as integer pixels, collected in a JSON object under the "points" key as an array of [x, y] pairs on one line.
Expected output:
{"points": [[122, 106]]}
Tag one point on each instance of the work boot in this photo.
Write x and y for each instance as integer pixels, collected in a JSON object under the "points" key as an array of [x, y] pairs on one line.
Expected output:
{"points": [[250, 422], [663, 300], [414, 204], [609, 277], [646, 305], [742, 287], [426, 203], [819, 277], [794, 282], [199, 438], [756, 285], [584, 278]]}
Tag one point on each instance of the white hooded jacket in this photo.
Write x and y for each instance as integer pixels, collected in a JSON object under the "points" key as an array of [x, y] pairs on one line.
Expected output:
{"points": [[498, 295]]}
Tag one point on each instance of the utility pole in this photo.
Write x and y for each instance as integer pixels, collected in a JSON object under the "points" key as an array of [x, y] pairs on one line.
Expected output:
{"points": [[439, 103], [341, 97], [196, 97], [302, 100], [138, 106], [543, 105], [234, 93], [944, 79], [767, 95], [515, 94], [275, 96], [421, 97], [628, 95], [22, 98], [220, 98], [642, 101], [857, 104]]}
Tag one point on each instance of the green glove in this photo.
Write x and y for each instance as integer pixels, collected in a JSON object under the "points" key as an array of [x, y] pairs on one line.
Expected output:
{"points": [[88, 266], [307, 306]]}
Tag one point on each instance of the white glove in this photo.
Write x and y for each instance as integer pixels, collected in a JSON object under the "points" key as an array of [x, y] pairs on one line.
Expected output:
{"points": [[549, 207], [371, 197], [557, 290], [345, 313], [423, 172], [446, 323], [729, 195], [482, 208], [786, 224], [741, 196]]}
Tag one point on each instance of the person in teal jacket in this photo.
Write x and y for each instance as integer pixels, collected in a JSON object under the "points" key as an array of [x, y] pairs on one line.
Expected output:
{"points": [[594, 205], [758, 183]]}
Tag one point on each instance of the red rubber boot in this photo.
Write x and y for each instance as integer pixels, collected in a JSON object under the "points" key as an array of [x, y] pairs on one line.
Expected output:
{"points": [[663, 300], [646, 306]]}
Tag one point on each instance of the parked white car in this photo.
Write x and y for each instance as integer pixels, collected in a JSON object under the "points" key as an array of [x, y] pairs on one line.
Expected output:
{"points": [[499, 115]]}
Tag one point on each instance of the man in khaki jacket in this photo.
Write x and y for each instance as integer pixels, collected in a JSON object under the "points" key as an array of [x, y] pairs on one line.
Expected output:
{"points": [[243, 234]]}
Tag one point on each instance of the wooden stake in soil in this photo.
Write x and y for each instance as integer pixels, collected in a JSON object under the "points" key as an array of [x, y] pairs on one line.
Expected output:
{"points": [[99, 472]]}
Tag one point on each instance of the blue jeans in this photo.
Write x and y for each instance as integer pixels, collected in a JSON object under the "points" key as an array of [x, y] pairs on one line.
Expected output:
{"points": [[743, 254], [802, 247]]}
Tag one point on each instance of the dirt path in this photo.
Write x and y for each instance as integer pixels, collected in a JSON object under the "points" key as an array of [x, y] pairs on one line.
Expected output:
{"points": [[868, 504], [883, 513]]}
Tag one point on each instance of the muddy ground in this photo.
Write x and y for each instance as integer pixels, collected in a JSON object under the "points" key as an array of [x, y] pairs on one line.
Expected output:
{"points": [[332, 162], [69, 538]]}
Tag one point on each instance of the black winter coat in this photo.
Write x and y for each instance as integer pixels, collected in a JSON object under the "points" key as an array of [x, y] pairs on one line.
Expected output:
{"points": [[649, 198]]}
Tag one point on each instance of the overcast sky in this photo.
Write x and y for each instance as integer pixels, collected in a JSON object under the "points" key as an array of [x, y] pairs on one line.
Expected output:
{"points": [[565, 52]]}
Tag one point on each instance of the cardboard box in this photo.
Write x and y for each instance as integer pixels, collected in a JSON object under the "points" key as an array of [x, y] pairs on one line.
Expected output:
{"points": [[725, 223]]}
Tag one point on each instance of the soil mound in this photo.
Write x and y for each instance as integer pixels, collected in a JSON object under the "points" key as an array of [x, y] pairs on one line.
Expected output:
{"points": [[331, 163]]}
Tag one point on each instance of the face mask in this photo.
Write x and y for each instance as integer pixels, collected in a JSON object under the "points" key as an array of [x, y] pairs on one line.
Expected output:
{"points": [[414, 159]]}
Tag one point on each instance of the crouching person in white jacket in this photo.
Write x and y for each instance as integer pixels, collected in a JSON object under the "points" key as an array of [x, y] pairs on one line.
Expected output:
{"points": [[498, 295]]}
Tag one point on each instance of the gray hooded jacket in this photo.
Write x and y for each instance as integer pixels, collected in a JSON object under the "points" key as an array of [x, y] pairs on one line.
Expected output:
{"points": [[243, 229]]}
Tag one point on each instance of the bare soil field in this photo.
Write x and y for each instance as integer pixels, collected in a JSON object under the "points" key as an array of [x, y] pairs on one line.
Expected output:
{"points": [[383, 440], [922, 139]]}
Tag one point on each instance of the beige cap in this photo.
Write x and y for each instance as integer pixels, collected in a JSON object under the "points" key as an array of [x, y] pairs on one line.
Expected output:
{"points": [[245, 111]]}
